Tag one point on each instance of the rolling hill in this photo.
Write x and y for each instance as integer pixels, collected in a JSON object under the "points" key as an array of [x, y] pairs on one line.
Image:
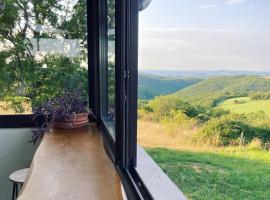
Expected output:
{"points": [[208, 93], [152, 85], [245, 105]]}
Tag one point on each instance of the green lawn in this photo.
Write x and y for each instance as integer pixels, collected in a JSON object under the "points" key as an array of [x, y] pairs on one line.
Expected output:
{"points": [[246, 106], [217, 175]]}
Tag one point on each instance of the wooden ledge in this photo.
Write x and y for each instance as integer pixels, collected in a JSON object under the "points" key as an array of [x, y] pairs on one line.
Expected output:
{"points": [[69, 165]]}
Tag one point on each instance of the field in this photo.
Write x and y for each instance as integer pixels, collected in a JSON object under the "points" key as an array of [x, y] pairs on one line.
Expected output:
{"points": [[245, 105], [222, 175], [202, 172]]}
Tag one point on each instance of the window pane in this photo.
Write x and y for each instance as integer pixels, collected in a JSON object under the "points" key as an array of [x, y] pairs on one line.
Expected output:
{"points": [[109, 73], [42, 52]]}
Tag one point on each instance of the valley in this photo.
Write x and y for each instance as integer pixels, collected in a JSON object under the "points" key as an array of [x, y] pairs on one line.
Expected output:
{"points": [[151, 86], [212, 137]]}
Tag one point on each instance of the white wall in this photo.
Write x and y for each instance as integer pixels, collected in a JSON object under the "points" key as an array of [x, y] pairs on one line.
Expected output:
{"points": [[15, 153]]}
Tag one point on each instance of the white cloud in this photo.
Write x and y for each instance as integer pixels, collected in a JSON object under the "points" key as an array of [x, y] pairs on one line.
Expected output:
{"points": [[187, 49], [208, 6], [232, 2]]}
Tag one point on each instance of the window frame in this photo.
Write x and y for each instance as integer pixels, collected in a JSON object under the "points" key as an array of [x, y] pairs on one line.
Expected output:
{"points": [[123, 152], [17, 121]]}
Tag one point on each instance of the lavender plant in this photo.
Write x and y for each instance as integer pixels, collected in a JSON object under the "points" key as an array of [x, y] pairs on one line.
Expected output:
{"points": [[59, 109]]}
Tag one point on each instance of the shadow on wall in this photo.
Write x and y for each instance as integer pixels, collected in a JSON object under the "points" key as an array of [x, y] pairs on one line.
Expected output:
{"points": [[15, 154]]}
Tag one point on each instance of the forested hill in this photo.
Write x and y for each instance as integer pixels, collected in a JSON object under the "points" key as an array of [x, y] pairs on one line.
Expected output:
{"points": [[152, 85], [209, 92]]}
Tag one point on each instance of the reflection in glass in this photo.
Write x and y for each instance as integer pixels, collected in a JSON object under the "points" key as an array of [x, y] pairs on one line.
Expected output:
{"points": [[109, 113], [43, 52]]}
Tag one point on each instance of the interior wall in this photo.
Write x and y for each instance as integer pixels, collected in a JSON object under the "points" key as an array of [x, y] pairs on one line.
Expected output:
{"points": [[15, 153]]}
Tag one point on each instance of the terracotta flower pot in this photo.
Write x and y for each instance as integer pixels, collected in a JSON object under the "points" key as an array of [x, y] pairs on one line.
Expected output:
{"points": [[79, 121]]}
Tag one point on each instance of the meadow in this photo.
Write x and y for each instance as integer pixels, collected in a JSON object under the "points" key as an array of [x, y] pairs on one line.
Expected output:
{"points": [[211, 148], [203, 172], [244, 105], [217, 175]]}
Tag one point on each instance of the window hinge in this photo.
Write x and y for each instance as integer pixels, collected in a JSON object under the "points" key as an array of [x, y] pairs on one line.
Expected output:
{"points": [[126, 74]]}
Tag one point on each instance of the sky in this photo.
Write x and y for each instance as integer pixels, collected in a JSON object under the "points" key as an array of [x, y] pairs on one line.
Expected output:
{"points": [[205, 35]]}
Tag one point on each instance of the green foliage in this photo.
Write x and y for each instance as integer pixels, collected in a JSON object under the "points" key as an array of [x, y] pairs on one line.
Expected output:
{"points": [[238, 102], [77, 25], [162, 106], [245, 105], [151, 86], [111, 84], [260, 96], [17, 103], [228, 130], [53, 75], [24, 75], [211, 113], [216, 126], [177, 120], [146, 93], [143, 104], [210, 92]]}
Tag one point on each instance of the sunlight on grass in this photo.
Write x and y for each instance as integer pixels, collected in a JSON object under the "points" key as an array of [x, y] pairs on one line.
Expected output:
{"points": [[246, 106], [203, 172], [151, 134], [208, 175]]}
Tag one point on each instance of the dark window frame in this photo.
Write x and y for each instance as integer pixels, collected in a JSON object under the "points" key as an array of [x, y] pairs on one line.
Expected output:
{"points": [[122, 151], [17, 121]]}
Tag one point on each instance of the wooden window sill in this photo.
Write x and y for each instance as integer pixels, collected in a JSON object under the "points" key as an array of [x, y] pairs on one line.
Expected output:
{"points": [[72, 164]]}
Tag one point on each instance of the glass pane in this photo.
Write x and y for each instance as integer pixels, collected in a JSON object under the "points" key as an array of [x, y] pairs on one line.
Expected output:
{"points": [[43, 54], [109, 75], [43, 51]]}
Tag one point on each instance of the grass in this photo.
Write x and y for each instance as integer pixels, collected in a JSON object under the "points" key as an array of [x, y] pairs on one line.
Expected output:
{"points": [[204, 173], [221, 175], [246, 106], [151, 134]]}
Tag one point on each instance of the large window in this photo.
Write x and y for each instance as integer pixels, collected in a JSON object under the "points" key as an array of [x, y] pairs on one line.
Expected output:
{"points": [[43, 51]]}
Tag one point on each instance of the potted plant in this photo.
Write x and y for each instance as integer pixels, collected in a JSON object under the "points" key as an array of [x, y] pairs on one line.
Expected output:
{"points": [[67, 111]]}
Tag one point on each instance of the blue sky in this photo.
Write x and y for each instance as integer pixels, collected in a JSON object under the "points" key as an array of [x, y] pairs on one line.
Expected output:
{"points": [[205, 35]]}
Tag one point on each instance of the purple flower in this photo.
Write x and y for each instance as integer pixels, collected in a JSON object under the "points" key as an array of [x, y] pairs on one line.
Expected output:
{"points": [[60, 109]]}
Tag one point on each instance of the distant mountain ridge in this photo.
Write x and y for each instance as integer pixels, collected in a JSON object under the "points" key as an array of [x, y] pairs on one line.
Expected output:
{"points": [[153, 85], [204, 73]]}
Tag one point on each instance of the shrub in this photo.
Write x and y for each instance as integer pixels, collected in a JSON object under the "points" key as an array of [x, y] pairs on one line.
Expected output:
{"points": [[177, 122], [211, 113], [230, 130], [17, 103], [162, 106], [255, 144], [239, 102], [260, 96], [220, 131]]}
